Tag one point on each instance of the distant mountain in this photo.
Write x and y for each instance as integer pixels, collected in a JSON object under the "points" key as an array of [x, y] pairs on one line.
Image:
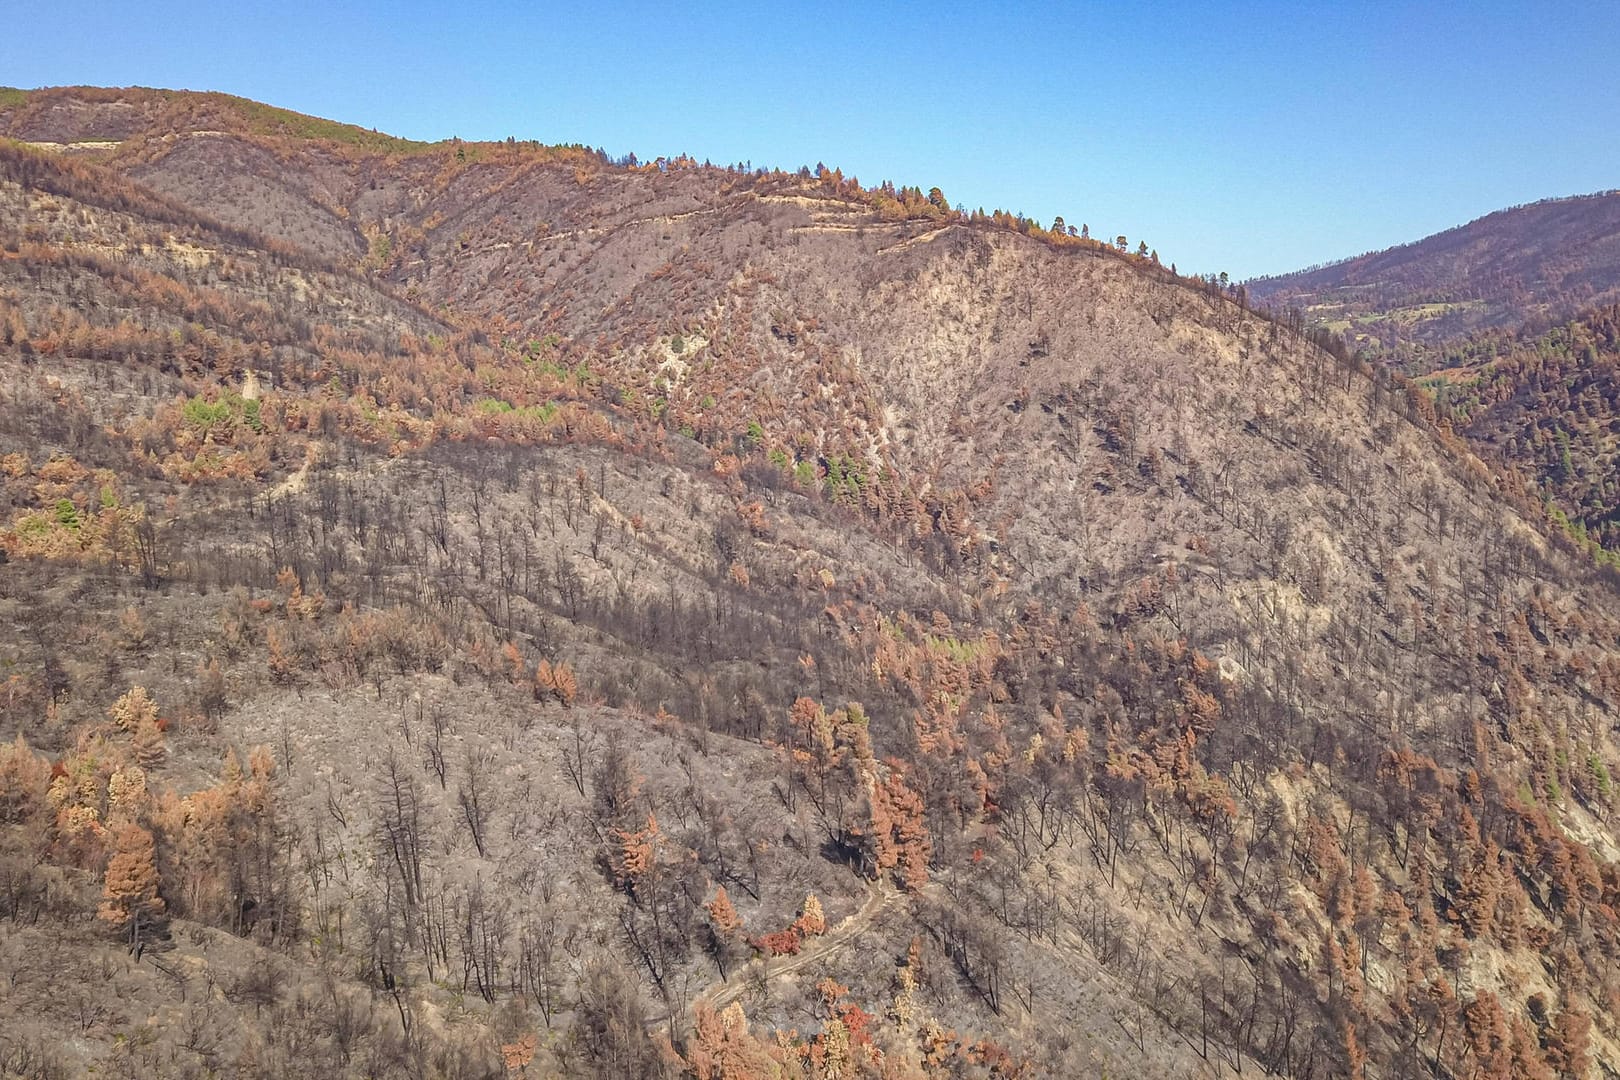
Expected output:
{"points": [[1538, 264]]}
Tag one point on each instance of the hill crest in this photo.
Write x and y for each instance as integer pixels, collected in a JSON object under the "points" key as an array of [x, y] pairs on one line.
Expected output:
{"points": [[1079, 671], [1541, 262]]}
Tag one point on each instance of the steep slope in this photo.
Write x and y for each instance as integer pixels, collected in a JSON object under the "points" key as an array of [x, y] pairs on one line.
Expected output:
{"points": [[139, 450], [1545, 404], [1217, 710], [1539, 263]]}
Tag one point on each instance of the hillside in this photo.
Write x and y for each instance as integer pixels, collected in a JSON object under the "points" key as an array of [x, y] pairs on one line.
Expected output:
{"points": [[541, 520], [1545, 403], [1538, 264]]}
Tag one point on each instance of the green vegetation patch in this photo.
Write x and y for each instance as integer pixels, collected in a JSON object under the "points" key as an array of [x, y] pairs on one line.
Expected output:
{"points": [[963, 652], [268, 120], [846, 477], [535, 349], [1416, 313], [228, 410], [1600, 773], [497, 407]]}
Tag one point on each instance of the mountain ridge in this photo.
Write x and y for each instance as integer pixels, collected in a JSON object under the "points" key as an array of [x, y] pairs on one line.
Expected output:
{"points": [[1540, 262], [1332, 264], [1218, 708]]}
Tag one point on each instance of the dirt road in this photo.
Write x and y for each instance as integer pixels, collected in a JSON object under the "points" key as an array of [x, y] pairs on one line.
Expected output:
{"points": [[720, 995]]}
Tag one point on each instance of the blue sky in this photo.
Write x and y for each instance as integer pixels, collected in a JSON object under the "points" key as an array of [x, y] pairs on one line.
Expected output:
{"points": [[1247, 137]]}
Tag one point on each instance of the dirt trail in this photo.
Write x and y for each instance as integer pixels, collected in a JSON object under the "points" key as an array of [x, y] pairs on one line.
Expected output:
{"points": [[295, 481], [586, 230], [73, 147], [921, 238], [824, 205], [717, 997]]}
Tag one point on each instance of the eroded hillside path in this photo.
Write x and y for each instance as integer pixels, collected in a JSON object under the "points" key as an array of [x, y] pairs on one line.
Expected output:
{"points": [[831, 207], [720, 995]]}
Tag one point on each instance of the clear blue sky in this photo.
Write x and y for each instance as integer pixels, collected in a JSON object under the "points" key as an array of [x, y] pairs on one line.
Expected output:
{"points": [[1247, 137]]}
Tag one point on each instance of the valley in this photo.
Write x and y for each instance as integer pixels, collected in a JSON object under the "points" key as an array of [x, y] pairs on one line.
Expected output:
{"points": [[480, 609]]}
